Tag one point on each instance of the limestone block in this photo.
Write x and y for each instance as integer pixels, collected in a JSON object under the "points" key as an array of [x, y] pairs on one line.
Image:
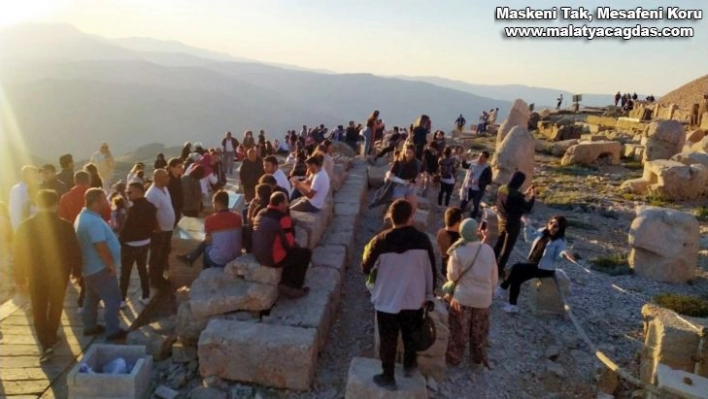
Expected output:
{"points": [[331, 256], [216, 292], [316, 310], [340, 147], [680, 383], [182, 353], [188, 234], [586, 153], [189, 326], [670, 341], [691, 158], [518, 116], [516, 152], [664, 244], [664, 139], [360, 382], [675, 180], [248, 268], [377, 174], [543, 295], [314, 223], [630, 151], [559, 148], [636, 186], [421, 219], [266, 354]]}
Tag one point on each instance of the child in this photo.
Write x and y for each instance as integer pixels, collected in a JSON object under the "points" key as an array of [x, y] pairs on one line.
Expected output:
{"points": [[118, 213], [449, 234]]}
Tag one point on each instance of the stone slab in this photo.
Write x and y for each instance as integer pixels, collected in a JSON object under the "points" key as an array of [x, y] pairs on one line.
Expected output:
{"points": [[543, 294], [360, 383], [248, 268], [331, 256], [216, 292]]}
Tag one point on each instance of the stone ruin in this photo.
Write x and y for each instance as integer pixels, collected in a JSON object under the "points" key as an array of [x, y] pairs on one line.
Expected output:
{"points": [[515, 148], [518, 116], [663, 139]]}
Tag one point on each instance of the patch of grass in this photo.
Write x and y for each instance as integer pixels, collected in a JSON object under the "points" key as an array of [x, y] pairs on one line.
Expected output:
{"points": [[702, 213], [574, 170], [659, 200], [629, 196], [614, 265], [579, 224], [633, 165], [686, 305], [562, 200]]}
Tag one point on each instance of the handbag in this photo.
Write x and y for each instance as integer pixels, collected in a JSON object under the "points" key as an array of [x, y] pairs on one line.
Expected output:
{"points": [[427, 335], [448, 288]]}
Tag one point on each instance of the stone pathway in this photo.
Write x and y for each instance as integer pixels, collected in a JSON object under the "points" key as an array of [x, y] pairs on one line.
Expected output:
{"points": [[21, 374]]}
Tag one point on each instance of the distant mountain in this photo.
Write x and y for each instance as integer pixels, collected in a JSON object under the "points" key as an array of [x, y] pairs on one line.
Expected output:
{"points": [[688, 94], [541, 97], [70, 91]]}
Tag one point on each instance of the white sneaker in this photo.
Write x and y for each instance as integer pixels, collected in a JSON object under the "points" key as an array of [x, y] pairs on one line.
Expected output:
{"points": [[123, 305], [145, 301], [509, 308], [499, 292]]}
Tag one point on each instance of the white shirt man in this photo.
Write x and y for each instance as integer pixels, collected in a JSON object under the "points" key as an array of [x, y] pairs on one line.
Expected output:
{"points": [[314, 190], [270, 166]]}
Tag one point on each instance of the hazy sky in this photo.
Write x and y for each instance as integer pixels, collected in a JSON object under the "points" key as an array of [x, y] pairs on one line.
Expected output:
{"points": [[456, 39]]}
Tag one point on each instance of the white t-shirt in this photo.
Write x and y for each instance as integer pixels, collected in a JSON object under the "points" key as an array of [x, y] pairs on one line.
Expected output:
{"points": [[160, 197], [320, 184], [229, 146], [282, 180]]}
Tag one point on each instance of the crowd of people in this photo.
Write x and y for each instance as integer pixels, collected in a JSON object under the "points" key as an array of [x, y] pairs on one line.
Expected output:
{"points": [[627, 101]]}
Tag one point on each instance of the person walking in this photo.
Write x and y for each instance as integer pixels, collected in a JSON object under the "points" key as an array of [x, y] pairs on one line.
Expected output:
{"points": [[477, 178], [447, 173]]}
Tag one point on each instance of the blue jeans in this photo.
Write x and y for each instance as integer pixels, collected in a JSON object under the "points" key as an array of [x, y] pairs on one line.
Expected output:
{"points": [[102, 286], [203, 250]]}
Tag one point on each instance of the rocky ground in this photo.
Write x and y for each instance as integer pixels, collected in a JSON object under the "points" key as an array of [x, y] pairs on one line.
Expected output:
{"points": [[531, 357]]}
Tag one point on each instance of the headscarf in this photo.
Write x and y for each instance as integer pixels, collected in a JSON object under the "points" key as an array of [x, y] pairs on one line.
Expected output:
{"points": [[468, 233], [517, 179]]}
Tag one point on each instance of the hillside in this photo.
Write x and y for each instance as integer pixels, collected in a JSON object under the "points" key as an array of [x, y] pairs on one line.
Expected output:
{"points": [[688, 94]]}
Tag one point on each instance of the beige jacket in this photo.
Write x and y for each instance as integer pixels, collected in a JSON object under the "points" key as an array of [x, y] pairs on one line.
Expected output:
{"points": [[476, 287]]}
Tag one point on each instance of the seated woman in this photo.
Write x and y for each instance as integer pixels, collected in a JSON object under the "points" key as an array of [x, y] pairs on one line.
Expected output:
{"points": [[547, 249]]}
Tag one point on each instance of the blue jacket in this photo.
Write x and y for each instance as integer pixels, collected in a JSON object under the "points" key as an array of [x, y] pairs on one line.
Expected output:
{"points": [[553, 252]]}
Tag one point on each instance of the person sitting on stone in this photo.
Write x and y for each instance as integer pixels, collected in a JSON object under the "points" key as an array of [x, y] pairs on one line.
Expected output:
{"points": [[314, 189], [274, 245], [547, 249], [270, 180], [263, 193], [223, 239]]}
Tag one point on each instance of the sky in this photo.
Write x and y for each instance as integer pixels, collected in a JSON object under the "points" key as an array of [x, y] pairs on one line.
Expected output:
{"points": [[454, 39]]}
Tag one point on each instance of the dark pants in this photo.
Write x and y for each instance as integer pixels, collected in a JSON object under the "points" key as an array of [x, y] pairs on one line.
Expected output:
{"points": [[82, 292], [295, 267], [47, 301], [102, 286], [295, 195], [445, 191], [443, 266], [128, 256], [303, 205], [508, 233], [160, 247], [352, 144], [386, 150], [419, 148], [520, 273], [476, 197], [409, 323]]}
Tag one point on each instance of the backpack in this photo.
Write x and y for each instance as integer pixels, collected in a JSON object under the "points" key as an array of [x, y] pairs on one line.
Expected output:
{"points": [[447, 169]]}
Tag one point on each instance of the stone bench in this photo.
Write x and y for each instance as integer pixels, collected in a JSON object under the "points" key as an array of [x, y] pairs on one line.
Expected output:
{"points": [[543, 294], [360, 382], [188, 234], [310, 226]]}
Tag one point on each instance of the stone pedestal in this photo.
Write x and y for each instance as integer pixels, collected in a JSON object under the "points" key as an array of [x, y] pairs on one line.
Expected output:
{"points": [[360, 382], [543, 295]]}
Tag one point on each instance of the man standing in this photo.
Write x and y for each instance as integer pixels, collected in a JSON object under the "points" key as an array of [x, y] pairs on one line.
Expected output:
{"points": [[135, 237], [20, 198], [560, 101], [274, 245], [50, 181], [229, 144], [66, 175], [160, 243], [270, 167], [404, 262], [103, 159], [477, 178], [100, 251], [175, 168], [251, 170], [314, 190], [46, 252], [73, 201]]}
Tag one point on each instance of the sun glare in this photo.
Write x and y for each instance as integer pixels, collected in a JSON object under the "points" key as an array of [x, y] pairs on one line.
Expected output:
{"points": [[14, 12]]}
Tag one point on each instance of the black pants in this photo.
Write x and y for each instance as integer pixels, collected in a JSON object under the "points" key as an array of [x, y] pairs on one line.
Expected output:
{"points": [[445, 191], [386, 150], [82, 292], [47, 301], [476, 197], [508, 233], [160, 247], [295, 267], [520, 273], [409, 323], [419, 148], [139, 256]]}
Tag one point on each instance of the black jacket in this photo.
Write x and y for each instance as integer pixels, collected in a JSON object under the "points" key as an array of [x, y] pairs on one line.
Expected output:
{"points": [[511, 203], [139, 222], [174, 186]]}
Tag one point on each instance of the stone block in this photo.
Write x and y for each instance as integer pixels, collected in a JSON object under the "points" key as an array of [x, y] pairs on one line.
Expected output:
{"points": [[330, 256], [266, 354], [586, 153], [316, 310], [313, 223], [216, 292], [377, 174], [182, 353], [343, 239], [543, 295], [189, 326], [360, 382], [681, 383], [158, 342], [99, 386], [188, 234], [248, 268]]}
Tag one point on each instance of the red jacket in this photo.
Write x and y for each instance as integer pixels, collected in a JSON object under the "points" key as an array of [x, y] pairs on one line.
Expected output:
{"points": [[273, 236], [73, 202]]}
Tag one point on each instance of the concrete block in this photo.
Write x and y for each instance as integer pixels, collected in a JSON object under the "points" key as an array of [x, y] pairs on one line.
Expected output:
{"points": [[266, 354], [188, 234], [681, 383], [135, 385], [543, 295], [360, 382]]}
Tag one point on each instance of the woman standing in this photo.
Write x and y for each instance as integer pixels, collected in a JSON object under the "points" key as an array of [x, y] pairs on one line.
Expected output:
{"points": [[192, 190], [548, 248], [96, 180], [404, 173], [248, 141], [511, 206], [430, 161], [473, 267], [186, 151], [419, 134], [446, 166], [160, 162], [372, 125]]}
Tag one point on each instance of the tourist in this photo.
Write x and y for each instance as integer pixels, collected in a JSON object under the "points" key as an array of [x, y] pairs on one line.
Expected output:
{"points": [[251, 170], [135, 237], [192, 192], [240, 153], [186, 151], [248, 140], [207, 162], [404, 262], [393, 140], [483, 122], [160, 162], [229, 144], [314, 189], [477, 178], [379, 132], [21, 195], [260, 202], [103, 159], [325, 149], [269, 148], [96, 178], [404, 174], [547, 249], [449, 234], [270, 167], [298, 171], [50, 181], [351, 136], [74, 200], [430, 165], [338, 133], [119, 210], [460, 123], [303, 132], [560, 101], [222, 242], [261, 144], [46, 252], [270, 180], [175, 169], [473, 267], [274, 245], [617, 98], [492, 119], [281, 147], [137, 173], [511, 206], [100, 252], [160, 242], [419, 134], [371, 126], [66, 175], [447, 173]]}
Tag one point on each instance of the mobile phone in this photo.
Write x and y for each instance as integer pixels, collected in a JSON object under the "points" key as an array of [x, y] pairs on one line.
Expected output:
{"points": [[483, 225]]}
